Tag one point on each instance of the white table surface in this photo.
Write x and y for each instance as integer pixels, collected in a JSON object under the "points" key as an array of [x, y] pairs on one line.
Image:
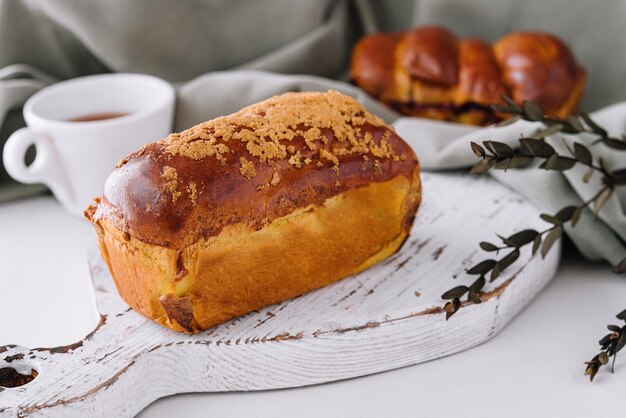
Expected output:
{"points": [[532, 368]]}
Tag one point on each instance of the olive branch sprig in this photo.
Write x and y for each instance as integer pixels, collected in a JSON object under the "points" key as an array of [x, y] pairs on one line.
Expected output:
{"points": [[500, 156], [572, 124], [610, 345]]}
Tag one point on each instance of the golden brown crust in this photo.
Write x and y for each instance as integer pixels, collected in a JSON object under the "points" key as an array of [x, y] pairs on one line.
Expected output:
{"points": [[429, 55], [428, 72], [251, 167], [540, 67], [374, 64], [479, 76], [213, 223], [300, 252]]}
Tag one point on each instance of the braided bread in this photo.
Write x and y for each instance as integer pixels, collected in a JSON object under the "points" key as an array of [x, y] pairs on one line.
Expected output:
{"points": [[430, 72]]}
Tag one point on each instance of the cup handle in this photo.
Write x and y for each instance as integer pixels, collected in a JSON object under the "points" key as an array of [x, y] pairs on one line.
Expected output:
{"points": [[45, 169]]}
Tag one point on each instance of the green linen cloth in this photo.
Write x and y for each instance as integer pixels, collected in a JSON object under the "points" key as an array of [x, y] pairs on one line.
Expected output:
{"points": [[42, 41]]}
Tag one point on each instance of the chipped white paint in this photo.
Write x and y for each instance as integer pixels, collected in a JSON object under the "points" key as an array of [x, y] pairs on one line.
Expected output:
{"points": [[382, 319]]}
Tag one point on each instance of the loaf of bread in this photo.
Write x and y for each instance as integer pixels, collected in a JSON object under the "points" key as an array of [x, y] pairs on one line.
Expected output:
{"points": [[247, 210], [429, 72]]}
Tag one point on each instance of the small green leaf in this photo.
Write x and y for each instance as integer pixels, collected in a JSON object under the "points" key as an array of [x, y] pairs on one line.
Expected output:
{"points": [[520, 161], [503, 164], [551, 130], [536, 243], [592, 368], [605, 341], [550, 239], [582, 153], [551, 219], [509, 259], [512, 105], [537, 147], [533, 111], [478, 150], [500, 108], [575, 122], [455, 292], [522, 238], [558, 163], [566, 213], [619, 177], [483, 166], [602, 198], [594, 126], [478, 285], [495, 272], [614, 143], [506, 240], [474, 297], [487, 246], [550, 163], [603, 358], [482, 268], [499, 149], [508, 121], [576, 216]]}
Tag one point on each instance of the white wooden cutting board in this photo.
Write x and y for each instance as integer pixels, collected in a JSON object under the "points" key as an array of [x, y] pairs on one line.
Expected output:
{"points": [[387, 317]]}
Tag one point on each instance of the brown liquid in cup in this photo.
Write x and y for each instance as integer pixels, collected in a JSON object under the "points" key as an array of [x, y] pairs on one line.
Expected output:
{"points": [[97, 116]]}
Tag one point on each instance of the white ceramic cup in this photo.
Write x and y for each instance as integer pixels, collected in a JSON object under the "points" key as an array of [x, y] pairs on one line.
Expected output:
{"points": [[74, 158]]}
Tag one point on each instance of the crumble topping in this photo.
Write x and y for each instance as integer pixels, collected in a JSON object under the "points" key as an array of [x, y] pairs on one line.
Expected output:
{"points": [[267, 127], [247, 168], [296, 160], [192, 190], [275, 178], [266, 130], [326, 155], [170, 175]]}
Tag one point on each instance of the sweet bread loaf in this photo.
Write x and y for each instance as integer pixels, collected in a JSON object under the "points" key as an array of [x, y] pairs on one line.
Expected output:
{"points": [[247, 210], [430, 72]]}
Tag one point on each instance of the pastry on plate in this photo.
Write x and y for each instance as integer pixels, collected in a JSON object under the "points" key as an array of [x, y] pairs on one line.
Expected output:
{"points": [[247, 210], [430, 72]]}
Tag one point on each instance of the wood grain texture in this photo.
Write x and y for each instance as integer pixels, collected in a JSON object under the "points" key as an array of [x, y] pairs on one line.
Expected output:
{"points": [[386, 317]]}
